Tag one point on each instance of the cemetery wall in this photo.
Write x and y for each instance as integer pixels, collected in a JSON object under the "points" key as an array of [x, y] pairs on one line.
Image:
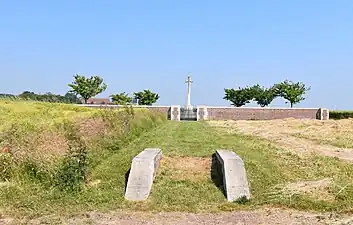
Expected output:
{"points": [[248, 113], [236, 113], [163, 109]]}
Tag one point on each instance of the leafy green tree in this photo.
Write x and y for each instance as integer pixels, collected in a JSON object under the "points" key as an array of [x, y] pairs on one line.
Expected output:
{"points": [[121, 98], [71, 98], [239, 97], [291, 91], [146, 97], [263, 96], [87, 87]]}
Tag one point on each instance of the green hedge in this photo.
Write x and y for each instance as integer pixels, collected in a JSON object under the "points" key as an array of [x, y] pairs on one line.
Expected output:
{"points": [[341, 114]]}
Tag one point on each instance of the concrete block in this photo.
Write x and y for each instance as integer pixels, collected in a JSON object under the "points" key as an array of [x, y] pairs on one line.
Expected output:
{"points": [[142, 173], [235, 181]]}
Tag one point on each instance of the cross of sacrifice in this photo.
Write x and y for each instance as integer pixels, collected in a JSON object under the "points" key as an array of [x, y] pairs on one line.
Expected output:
{"points": [[189, 81]]}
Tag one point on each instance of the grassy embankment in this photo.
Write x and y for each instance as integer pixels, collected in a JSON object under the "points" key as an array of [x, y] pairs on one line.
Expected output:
{"points": [[49, 152], [185, 180]]}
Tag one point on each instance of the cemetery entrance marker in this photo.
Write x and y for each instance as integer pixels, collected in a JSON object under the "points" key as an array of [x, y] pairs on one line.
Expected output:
{"points": [[188, 112], [235, 182], [142, 173]]}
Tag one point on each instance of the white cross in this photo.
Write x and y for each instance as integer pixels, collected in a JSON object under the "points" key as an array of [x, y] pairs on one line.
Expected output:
{"points": [[189, 81]]}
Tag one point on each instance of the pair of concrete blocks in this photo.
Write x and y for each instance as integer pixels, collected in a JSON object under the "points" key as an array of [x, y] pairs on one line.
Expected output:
{"points": [[145, 165]]}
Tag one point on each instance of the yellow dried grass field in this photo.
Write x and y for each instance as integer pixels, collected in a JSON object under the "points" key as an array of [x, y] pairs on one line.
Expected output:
{"points": [[329, 138]]}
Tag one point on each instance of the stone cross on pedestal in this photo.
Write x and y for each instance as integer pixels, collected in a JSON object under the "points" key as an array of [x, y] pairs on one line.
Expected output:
{"points": [[189, 81]]}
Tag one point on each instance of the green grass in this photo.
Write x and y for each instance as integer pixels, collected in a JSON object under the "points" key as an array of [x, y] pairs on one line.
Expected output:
{"points": [[39, 114], [267, 167]]}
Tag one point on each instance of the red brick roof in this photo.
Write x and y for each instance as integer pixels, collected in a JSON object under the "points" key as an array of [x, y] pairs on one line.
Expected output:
{"points": [[103, 101]]}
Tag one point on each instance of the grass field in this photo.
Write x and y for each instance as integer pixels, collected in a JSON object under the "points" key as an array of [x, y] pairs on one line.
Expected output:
{"points": [[278, 175], [330, 138]]}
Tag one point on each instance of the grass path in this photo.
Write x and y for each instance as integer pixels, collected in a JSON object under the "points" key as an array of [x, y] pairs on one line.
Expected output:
{"points": [[184, 181]]}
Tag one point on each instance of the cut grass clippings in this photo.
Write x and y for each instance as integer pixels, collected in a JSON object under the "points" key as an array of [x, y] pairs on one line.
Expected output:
{"points": [[270, 170]]}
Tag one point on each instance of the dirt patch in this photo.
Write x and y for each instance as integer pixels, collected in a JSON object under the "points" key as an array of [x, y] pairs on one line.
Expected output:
{"points": [[284, 133], [192, 168], [264, 216]]}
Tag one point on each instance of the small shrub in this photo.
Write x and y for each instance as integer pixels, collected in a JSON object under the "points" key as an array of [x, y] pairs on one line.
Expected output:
{"points": [[341, 114], [73, 170]]}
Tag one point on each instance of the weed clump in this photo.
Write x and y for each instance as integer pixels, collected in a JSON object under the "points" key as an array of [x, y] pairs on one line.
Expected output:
{"points": [[72, 171]]}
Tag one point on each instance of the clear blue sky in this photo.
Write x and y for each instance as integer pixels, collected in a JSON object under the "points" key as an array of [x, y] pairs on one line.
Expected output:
{"points": [[153, 44]]}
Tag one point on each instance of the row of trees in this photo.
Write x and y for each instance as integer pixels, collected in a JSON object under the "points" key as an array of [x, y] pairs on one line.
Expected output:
{"points": [[145, 97], [291, 91], [69, 98], [88, 87]]}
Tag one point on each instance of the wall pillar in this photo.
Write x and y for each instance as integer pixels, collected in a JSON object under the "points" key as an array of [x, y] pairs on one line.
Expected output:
{"points": [[202, 113], [175, 112], [324, 114]]}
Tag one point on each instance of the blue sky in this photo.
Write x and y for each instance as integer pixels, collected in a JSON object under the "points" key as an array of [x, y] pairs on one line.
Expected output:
{"points": [[154, 44]]}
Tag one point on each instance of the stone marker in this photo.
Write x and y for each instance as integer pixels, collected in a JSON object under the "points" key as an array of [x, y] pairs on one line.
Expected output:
{"points": [[142, 173], [235, 182]]}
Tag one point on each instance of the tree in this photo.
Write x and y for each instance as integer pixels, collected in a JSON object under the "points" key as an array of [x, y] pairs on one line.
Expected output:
{"points": [[146, 97], [87, 87], [263, 96], [71, 98], [28, 95], [293, 92], [239, 97], [121, 98]]}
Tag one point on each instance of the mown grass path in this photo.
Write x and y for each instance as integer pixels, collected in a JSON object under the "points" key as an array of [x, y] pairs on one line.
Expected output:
{"points": [[184, 181]]}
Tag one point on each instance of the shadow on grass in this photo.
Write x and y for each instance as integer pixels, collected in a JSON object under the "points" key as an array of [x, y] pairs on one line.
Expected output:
{"points": [[127, 174], [217, 174]]}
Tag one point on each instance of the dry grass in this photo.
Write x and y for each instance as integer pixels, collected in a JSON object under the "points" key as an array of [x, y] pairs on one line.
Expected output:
{"points": [[318, 189], [184, 167], [330, 138], [92, 127]]}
